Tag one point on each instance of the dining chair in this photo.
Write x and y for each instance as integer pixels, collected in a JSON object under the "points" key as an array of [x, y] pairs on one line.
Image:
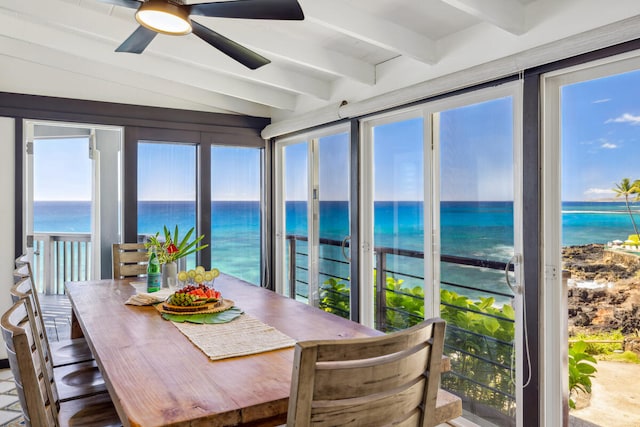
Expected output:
{"points": [[129, 260], [374, 381], [38, 396], [65, 351], [71, 381]]}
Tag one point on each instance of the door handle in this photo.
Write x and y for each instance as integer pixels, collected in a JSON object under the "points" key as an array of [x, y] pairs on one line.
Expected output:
{"points": [[516, 288], [344, 245]]}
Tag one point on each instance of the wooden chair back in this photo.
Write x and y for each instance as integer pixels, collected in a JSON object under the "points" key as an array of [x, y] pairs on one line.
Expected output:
{"points": [[23, 289], [36, 389], [129, 260], [62, 352], [39, 396], [374, 381]]}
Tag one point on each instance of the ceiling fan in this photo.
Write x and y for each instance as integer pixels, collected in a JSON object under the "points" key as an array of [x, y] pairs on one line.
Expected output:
{"points": [[173, 17]]}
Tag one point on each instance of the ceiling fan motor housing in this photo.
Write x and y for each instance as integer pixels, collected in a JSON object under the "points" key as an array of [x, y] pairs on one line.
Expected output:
{"points": [[166, 17]]}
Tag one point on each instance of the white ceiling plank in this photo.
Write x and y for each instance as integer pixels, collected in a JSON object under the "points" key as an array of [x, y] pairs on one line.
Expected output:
{"points": [[113, 30], [296, 51], [77, 66], [94, 50], [506, 14], [359, 24]]}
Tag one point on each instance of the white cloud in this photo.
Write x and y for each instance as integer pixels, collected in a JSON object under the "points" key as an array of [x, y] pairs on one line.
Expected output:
{"points": [[600, 101], [599, 191], [626, 118], [609, 145]]}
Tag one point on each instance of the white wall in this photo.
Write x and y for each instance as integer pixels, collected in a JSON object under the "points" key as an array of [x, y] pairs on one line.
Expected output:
{"points": [[7, 187]]}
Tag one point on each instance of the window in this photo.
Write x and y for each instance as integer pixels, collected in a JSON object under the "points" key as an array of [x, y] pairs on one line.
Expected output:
{"points": [[235, 211]]}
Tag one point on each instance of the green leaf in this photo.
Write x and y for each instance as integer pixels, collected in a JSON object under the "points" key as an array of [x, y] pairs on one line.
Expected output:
{"points": [[586, 368], [491, 324], [579, 347], [209, 318], [508, 311]]}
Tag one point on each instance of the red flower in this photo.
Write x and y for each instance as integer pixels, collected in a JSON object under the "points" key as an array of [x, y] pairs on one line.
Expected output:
{"points": [[172, 249]]}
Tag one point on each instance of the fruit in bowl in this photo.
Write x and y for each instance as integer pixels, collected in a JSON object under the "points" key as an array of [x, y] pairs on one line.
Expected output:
{"points": [[194, 295]]}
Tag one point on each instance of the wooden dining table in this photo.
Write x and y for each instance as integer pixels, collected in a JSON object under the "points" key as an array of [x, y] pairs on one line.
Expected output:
{"points": [[157, 377]]}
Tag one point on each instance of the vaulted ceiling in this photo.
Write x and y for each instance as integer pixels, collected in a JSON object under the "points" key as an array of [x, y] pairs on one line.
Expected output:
{"points": [[347, 50]]}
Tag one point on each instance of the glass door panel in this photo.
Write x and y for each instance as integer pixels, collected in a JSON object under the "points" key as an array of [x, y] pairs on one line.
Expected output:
{"points": [[166, 189], [398, 224], [235, 211], [476, 213], [295, 200], [62, 210], [333, 223]]}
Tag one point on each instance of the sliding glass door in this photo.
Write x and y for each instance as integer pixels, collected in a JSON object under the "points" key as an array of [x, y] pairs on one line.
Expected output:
{"points": [[393, 195], [313, 220], [440, 226], [477, 168]]}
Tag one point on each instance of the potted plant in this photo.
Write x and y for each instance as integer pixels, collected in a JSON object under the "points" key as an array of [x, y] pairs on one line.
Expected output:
{"points": [[171, 250]]}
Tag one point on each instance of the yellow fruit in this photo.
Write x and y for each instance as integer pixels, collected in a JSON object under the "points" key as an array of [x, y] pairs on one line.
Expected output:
{"points": [[208, 276], [200, 269], [199, 278], [215, 272], [191, 273], [182, 276]]}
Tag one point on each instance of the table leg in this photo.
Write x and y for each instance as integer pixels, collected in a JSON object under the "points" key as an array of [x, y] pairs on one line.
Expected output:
{"points": [[76, 331]]}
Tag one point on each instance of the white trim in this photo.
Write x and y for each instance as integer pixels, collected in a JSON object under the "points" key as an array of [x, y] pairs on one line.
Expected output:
{"points": [[553, 312], [523, 359], [96, 232], [367, 263], [431, 212], [313, 221], [280, 217]]}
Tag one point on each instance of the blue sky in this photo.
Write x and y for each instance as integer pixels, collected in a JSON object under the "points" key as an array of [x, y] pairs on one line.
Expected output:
{"points": [[600, 146], [63, 169], [601, 135], [166, 171]]}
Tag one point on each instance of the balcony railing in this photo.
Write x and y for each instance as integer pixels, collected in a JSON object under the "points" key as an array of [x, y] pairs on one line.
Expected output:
{"points": [[58, 258], [480, 332]]}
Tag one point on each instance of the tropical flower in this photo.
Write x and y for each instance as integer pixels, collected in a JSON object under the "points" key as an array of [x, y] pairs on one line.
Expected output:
{"points": [[173, 248]]}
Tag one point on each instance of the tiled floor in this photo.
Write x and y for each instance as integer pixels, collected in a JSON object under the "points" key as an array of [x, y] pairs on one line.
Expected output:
{"points": [[56, 310]]}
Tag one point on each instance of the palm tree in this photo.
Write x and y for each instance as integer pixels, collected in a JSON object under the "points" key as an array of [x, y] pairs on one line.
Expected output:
{"points": [[625, 188]]}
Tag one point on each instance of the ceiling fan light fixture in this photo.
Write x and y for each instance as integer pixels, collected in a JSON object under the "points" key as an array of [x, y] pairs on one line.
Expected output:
{"points": [[164, 17]]}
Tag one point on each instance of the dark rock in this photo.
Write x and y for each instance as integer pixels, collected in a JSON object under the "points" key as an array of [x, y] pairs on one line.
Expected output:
{"points": [[615, 306]]}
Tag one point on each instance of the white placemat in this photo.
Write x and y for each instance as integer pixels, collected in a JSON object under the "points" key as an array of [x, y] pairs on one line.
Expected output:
{"points": [[240, 337]]}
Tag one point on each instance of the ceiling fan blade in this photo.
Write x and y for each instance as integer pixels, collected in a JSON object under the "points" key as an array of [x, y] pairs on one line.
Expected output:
{"points": [[137, 41], [133, 4], [245, 56], [251, 9]]}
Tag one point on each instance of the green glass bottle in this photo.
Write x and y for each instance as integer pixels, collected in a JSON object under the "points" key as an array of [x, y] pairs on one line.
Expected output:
{"points": [[153, 273]]}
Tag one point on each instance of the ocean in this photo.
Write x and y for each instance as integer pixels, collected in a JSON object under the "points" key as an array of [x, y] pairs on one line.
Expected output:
{"points": [[471, 229]]}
